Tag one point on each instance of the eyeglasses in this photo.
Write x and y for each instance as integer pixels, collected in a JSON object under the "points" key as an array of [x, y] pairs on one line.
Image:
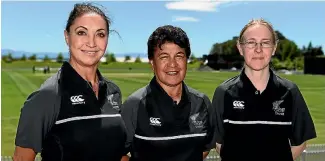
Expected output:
{"points": [[253, 44]]}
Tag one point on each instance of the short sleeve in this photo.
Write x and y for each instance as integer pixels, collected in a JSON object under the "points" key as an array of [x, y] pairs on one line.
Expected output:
{"points": [[218, 106], [303, 127], [129, 115], [211, 138], [37, 116]]}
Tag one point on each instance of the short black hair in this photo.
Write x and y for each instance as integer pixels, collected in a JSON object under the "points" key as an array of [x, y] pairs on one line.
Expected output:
{"points": [[168, 33], [84, 8]]}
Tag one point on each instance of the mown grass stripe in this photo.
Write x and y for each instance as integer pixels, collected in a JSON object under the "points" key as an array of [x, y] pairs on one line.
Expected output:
{"points": [[23, 84]]}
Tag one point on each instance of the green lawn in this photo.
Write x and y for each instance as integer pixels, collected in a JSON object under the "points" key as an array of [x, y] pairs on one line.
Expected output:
{"points": [[18, 84]]}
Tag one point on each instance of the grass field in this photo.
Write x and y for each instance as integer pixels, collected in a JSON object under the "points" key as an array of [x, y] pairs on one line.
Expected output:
{"points": [[17, 84]]}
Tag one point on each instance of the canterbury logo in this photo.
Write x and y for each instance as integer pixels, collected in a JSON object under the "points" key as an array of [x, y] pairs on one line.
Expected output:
{"points": [[238, 104], [155, 121], [77, 100]]}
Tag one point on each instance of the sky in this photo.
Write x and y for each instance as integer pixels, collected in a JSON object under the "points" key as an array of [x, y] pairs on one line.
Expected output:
{"points": [[39, 26]]}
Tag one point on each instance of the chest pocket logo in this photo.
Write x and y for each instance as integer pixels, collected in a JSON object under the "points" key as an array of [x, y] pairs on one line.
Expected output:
{"points": [[238, 105], [195, 121], [155, 121], [77, 100], [277, 109], [112, 102]]}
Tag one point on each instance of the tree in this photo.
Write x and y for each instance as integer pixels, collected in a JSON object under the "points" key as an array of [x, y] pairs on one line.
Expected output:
{"points": [[287, 49], [228, 47], [59, 58], [7, 58], [110, 57], [280, 35], [127, 58], [46, 58], [138, 59], [193, 59], [23, 57], [32, 57], [313, 51]]}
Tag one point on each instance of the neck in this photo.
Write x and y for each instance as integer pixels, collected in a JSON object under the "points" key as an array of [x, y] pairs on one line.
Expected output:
{"points": [[258, 78], [87, 73], [175, 92]]}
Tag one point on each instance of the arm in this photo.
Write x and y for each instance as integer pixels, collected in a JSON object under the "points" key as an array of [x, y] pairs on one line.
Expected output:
{"points": [[297, 150], [218, 105], [125, 158], [36, 118], [128, 112], [303, 127], [211, 139], [24, 154], [205, 154], [218, 147]]}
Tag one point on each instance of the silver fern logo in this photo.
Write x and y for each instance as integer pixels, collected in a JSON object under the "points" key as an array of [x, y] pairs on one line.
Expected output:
{"points": [[277, 109], [194, 119], [112, 102]]}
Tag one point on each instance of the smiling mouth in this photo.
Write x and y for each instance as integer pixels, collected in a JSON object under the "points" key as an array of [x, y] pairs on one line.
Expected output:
{"points": [[172, 73], [89, 52]]}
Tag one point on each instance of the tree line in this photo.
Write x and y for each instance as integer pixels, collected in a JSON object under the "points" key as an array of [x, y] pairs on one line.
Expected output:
{"points": [[110, 58], [288, 55]]}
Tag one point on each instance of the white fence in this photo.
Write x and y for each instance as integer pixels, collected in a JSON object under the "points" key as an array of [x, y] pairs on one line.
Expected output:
{"points": [[313, 152]]}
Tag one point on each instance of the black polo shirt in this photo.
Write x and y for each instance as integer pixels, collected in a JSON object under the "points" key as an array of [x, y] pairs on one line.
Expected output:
{"points": [[159, 129], [65, 121], [254, 126]]}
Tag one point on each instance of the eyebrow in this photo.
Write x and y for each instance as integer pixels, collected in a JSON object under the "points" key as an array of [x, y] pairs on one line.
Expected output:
{"points": [[262, 39], [80, 27], [87, 29], [162, 53]]}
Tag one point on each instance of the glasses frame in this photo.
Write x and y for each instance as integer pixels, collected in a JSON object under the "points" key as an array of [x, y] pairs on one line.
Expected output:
{"points": [[245, 43]]}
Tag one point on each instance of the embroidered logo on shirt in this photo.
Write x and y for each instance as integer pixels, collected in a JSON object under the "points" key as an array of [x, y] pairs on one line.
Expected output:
{"points": [[155, 121], [196, 123], [113, 103], [238, 105], [277, 109], [77, 100]]}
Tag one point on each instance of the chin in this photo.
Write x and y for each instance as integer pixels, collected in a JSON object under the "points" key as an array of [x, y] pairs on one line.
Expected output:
{"points": [[172, 83], [257, 67], [91, 62]]}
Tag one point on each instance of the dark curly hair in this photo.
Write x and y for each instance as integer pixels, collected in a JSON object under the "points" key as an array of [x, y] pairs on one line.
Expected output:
{"points": [[168, 33]]}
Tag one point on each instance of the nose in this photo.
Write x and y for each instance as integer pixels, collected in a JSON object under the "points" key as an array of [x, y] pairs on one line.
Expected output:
{"points": [[91, 41], [172, 62], [258, 48]]}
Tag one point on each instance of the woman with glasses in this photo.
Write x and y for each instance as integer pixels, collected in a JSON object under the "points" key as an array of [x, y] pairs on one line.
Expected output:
{"points": [[260, 115]]}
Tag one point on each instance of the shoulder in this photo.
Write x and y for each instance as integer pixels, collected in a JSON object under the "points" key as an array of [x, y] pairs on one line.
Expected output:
{"points": [[50, 87], [45, 96], [139, 94], [131, 104], [195, 94], [229, 83], [51, 83], [286, 83], [222, 88], [112, 86]]}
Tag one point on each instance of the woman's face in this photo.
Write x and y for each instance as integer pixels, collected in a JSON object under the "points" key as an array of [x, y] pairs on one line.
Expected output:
{"points": [[257, 47], [87, 39], [169, 64]]}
